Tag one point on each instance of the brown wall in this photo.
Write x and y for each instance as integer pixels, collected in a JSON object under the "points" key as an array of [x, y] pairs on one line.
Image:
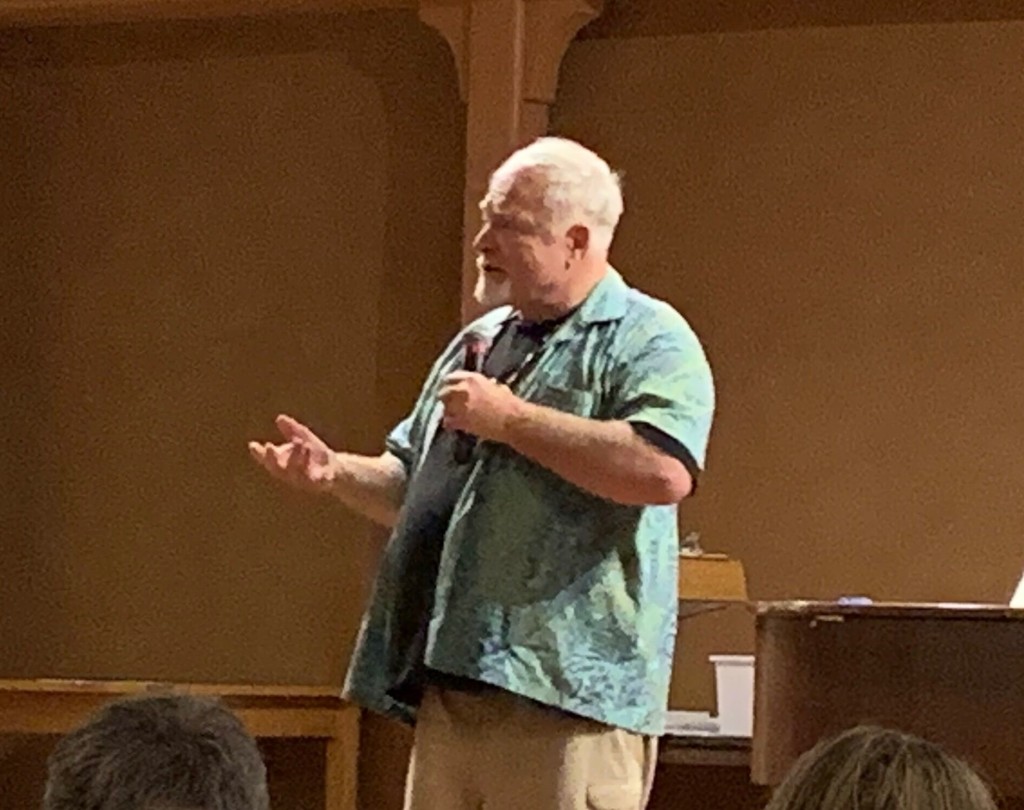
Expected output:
{"points": [[837, 211], [204, 225]]}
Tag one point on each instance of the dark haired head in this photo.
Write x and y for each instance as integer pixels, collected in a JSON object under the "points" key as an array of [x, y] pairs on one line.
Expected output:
{"points": [[167, 752]]}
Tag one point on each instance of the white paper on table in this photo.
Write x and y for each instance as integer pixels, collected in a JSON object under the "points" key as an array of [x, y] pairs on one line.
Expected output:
{"points": [[1017, 600], [690, 723]]}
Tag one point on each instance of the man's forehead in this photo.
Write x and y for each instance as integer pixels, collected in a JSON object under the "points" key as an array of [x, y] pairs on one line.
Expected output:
{"points": [[519, 188]]}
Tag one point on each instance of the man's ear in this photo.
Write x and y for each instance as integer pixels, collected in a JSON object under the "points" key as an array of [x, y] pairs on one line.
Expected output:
{"points": [[578, 237]]}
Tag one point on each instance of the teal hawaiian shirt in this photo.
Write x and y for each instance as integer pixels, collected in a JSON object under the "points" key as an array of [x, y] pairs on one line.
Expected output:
{"points": [[544, 589]]}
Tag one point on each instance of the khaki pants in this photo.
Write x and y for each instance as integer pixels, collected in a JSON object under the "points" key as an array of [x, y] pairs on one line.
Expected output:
{"points": [[494, 751]]}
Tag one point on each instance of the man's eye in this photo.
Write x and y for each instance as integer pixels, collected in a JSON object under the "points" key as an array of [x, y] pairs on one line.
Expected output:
{"points": [[518, 225]]}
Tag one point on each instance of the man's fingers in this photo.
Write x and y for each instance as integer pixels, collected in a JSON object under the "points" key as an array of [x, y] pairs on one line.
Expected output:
{"points": [[293, 429], [291, 462], [298, 458], [265, 454], [271, 459], [453, 389], [462, 376]]}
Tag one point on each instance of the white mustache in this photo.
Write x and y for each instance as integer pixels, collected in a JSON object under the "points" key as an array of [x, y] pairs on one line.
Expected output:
{"points": [[482, 264]]}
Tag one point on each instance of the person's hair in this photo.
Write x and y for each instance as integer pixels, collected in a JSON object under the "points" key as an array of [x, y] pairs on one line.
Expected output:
{"points": [[162, 751], [579, 186], [871, 768]]}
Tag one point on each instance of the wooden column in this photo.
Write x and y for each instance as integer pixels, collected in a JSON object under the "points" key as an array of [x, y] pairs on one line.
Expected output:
{"points": [[507, 53]]}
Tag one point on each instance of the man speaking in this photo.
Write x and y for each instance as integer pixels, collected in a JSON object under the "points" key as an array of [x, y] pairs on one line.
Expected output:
{"points": [[524, 614]]}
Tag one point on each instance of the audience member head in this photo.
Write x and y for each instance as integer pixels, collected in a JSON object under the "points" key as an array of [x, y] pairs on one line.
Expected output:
{"points": [[869, 768], [166, 752]]}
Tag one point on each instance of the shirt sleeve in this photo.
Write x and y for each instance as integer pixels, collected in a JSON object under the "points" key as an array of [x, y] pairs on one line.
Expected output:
{"points": [[399, 442], [666, 444], [666, 384]]}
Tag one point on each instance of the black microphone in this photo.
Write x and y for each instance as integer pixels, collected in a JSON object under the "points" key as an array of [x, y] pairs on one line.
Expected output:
{"points": [[474, 346]]}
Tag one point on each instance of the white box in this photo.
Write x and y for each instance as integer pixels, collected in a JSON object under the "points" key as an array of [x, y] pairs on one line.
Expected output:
{"points": [[734, 686]]}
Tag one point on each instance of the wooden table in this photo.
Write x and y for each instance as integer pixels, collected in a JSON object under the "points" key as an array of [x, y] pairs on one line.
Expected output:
{"points": [[704, 750], [310, 712], [711, 773]]}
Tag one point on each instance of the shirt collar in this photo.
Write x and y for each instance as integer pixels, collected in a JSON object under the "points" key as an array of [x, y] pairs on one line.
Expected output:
{"points": [[606, 302]]}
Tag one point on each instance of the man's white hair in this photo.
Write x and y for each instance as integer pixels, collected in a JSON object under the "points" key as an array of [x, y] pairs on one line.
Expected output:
{"points": [[579, 186]]}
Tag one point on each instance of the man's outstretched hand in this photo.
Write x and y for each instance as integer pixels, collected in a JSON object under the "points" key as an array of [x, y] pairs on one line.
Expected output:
{"points": [[304, 460]]}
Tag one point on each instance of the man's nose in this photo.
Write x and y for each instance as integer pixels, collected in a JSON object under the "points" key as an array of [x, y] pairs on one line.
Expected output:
{"points": [[482, 237]]}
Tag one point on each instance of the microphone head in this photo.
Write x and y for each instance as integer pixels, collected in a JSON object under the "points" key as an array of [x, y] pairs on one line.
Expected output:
{"points": [[475, 348], [474, 338]]}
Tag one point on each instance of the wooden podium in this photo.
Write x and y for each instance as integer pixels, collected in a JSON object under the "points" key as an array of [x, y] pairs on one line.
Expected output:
{"points": [[709, 582], [951, 673]]}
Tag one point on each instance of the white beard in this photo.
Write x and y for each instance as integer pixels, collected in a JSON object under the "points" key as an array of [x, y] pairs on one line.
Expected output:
{"points": [[492, 290]]}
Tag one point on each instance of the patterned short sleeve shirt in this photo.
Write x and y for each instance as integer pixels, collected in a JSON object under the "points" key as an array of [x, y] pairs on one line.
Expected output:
{"points": [[544, 589]]}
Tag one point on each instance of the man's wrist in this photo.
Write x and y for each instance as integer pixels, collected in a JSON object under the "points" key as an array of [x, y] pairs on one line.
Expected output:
{"points": [[333, 465], [520, 414]]}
